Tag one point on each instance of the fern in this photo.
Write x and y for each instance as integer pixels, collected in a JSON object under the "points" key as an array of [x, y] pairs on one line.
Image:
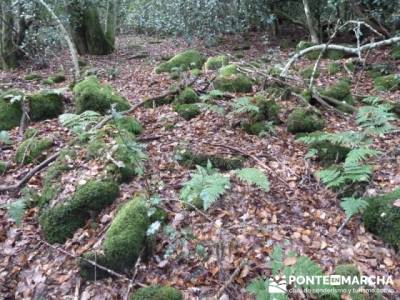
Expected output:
{"points": [[16, 209], [349, 139], [352, 206], [79, 123], [254, 176], [375, 120], [331, 177], [5, 137], [211, 107], [357, 155], [244, 105], [206, 185]]}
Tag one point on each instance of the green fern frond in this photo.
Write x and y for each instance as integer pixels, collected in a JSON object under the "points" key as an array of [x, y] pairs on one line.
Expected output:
{"points": [[254, 176], [79, 123], [244, 105], [376, 119], [331, 177], [352, 206], [357, 155], [16, 210], [357, 173]]}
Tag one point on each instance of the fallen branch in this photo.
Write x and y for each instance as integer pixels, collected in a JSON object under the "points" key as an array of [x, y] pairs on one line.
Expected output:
{"points": [[231, 279], [351, 50], [316, 94]]}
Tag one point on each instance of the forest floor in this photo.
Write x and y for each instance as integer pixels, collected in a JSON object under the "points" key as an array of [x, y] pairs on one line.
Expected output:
{"points": [[202, 251]]}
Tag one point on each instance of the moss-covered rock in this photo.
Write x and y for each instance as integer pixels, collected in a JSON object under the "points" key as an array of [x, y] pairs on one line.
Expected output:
{"points": [[303, 120], [308, 71], [10, 109], [187, 96], [32, 149], [3, 166], [235, 83], [91, 95], [60, 222], [189, 159], [124, 240], [184, 61], [228, 70], [333, 68], [395, 52], [340, 91], [45, 105], [33, 77], [382, 217], [216, 62], [157, 293], [187, 111], [129, 124], [387, 83]]}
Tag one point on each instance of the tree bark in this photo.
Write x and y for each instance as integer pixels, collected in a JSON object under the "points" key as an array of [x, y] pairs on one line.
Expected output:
{"points": [[8, 49], [310, 22]]}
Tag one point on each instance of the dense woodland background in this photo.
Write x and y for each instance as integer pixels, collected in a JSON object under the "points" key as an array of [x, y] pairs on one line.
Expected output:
{"points": [[194, 149]]}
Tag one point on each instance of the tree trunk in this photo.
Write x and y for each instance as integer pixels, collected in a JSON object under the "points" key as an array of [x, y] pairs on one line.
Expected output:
{"points": [[8, 50], [310, 22], [86, 30]]}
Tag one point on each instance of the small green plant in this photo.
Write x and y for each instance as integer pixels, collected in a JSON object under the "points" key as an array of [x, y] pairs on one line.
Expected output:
{"points": [[5, 137], [79, 123], [375, 119], [254, 176], [353, 206], [245, 105]]}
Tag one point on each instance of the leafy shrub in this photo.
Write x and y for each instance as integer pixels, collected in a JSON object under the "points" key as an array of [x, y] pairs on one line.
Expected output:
{"points": [[32, 149], [91, 95], [60, 222], [303, 120], [124, 240], [187, 60], [157, 293], [382, 217]]}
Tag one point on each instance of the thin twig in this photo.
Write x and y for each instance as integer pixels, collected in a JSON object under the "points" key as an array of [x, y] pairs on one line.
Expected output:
{"points": [[231, 279]]}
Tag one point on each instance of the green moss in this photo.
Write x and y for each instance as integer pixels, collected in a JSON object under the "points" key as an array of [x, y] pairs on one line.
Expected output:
{"points": [[235, 83], [33, 77], [60, 222], [216, 62], [187, 60], [130, 124], [395, 52], [86, 268], [48, 81], [30, 132], [189, 159], [340, 91], [187, 96], [387, 83], [228, 70], [10, 111], [304, 120], [304, 45], [32, 149], [350, 66], [254, 128], [307, 72], [382, 217], [57, 78], [334, 54], [268, 109], [45, 105], [124, 240], [3, 166], [333, 68], [158, 102], [330, 153], [157, 293], [91, 95], [187, 111], [376, 70]]}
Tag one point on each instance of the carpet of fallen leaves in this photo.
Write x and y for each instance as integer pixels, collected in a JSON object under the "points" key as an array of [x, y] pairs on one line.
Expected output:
{"points": [[298, 212]]}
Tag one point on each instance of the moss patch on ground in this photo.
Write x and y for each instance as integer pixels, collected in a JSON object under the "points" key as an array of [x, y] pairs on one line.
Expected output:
{"points": [[130, 124], [184, 61], [32, 149], [91, 95], [157, 293], [238, 83], [187, 96], [382, 217], [216, 62], [187, 111], [124, 240], [60, 222], [303, 120], [387, 83]]}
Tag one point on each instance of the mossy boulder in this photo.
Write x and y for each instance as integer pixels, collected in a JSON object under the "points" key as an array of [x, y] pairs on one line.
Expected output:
{"points": [[45, 105], [190, 159], [61, 221], [387, 83], [382, 217], [10, 109], [184, 61], [3, 166], [124, 240], [307, 72], [334, 68], [130, 124], [91, 95], [187, 111], [340, 91], [238, 83], [33, 77], [229, 70], [32, 149], [303, 120], [187, 96], [216, 62], [157, 293]]}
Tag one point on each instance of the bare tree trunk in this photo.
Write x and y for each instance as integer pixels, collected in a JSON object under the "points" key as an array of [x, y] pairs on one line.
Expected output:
{"points": [[8, 50], [310, 22], [71, 46]]}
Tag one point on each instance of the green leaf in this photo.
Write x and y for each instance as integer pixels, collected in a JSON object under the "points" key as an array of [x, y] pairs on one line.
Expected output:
{"points": [[352, 206], [254, 176]]}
